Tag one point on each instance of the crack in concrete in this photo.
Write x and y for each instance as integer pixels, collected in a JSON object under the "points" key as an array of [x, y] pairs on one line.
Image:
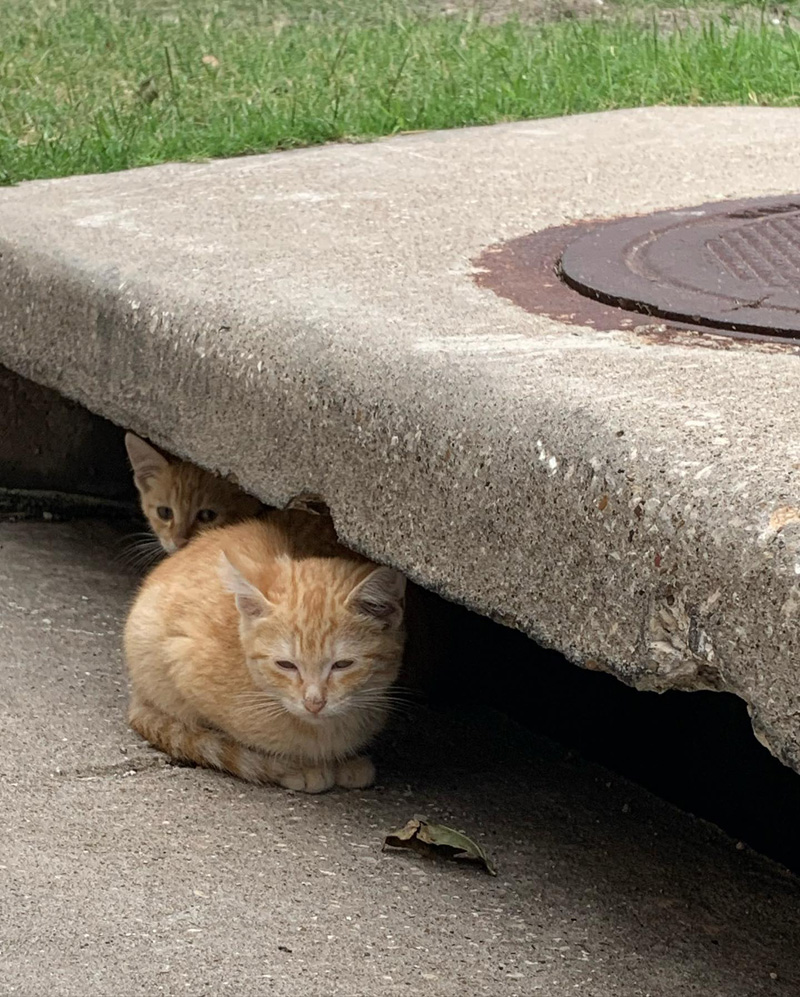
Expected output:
{"points": [[124, 768]]}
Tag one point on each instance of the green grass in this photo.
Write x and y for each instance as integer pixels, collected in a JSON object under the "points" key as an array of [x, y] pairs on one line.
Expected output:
{"points": [[91, 87]]}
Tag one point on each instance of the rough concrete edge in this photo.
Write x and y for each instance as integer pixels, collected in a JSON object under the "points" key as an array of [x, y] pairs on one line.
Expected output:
{"points": [[97, 295]]}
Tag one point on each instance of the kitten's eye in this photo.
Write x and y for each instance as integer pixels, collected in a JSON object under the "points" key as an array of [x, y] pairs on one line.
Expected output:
{"points": [[288, 666], [164, 512], [206, 516], [341, 664]]}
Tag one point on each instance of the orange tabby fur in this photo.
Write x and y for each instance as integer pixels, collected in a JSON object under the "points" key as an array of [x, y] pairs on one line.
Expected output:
{"points": [[190, 493], [209, 625]]}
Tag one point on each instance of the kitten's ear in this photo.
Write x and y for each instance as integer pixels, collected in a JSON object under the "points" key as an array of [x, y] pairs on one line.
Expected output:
{"points": [[145, 460], [252, 604], [381, 595]]}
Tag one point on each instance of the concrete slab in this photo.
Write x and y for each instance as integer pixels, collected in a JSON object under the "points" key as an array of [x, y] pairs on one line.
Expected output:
{"points": [[124, 875], [309, 320]]}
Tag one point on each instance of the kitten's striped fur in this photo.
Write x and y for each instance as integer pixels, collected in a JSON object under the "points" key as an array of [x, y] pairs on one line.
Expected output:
{"points": [[193, 497], [216, 628]]}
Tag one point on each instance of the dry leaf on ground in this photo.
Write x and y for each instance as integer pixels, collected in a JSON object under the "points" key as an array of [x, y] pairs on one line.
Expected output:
{"points": [[433, 840]]}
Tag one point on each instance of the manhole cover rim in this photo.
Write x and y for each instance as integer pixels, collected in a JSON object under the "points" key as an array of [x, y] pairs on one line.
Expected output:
{"points": [[594, 265]]}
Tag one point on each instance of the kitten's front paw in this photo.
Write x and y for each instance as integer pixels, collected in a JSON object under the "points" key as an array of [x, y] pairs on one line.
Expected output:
{"points": [[310, 780], [355, 773]]}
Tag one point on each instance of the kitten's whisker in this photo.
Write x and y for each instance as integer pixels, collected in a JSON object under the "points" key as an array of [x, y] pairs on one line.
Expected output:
{"points": [[137, 564], [254, 704], [257, 697], [135, 560], [142, 548], [259, 706], [401, 693], [263, 707], [372, 708], [383, 705], [383, 694], [141, 551], [381, 698], [261, 715]]}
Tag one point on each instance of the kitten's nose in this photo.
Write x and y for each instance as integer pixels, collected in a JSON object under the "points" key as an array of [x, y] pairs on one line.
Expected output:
{"points": [[314, 703]]}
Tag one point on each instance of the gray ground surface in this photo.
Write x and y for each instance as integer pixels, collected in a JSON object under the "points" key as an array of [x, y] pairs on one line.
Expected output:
{"points": [[124, 875]]}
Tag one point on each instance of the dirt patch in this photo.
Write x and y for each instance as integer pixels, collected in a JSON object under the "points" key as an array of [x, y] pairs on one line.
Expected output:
{"points": [[666, 17], [493, 11]]}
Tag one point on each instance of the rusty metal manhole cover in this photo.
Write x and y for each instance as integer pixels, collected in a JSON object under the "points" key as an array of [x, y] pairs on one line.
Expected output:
{"points": [[732, 265]]}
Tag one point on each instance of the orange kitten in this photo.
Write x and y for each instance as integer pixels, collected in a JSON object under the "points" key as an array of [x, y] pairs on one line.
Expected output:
{"points": [[267, 650], [179, 499]]}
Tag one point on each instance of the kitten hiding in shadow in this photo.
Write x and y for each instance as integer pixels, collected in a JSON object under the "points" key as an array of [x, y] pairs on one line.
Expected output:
{"points": [[267, 650], [180, 499]]}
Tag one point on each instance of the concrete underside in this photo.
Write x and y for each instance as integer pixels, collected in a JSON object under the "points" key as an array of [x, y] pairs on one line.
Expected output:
{"points": [[309, 320], [123, 875]]}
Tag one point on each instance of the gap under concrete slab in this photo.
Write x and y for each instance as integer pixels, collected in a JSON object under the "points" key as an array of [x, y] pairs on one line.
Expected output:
{"points": [[124, 874]]}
